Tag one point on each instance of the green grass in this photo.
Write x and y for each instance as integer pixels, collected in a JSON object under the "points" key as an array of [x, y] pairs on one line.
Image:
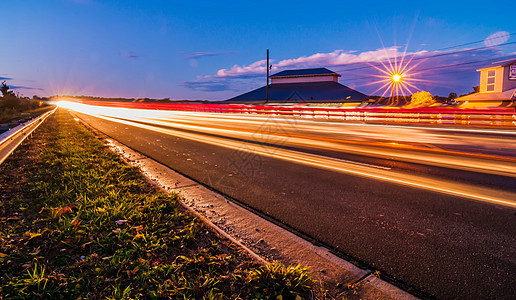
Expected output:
{"points": [[76, 222]]}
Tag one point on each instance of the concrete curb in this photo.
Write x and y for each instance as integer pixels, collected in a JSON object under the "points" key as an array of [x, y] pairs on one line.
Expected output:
{"points": [[262, 240], [253, 233], [221, 232]]}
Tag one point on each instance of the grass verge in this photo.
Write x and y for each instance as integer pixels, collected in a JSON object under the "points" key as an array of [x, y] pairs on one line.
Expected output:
{"points": [[76, 222]]}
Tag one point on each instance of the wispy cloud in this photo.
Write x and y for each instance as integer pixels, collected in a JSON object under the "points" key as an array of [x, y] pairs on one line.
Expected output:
{"points": [[197, 55], [229, 79], [208, 86], [19, 87], [130, 54], [5, 78], [334, 58], [439, 71]]}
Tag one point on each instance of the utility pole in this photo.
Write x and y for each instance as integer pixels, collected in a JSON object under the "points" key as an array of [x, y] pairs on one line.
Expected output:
{"points": [[267, 86], [391, 100]]}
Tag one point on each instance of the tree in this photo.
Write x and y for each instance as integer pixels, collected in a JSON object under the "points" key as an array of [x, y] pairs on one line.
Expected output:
{"points": [[452, 96], [9, 99], [422, 99], [5, 91]]}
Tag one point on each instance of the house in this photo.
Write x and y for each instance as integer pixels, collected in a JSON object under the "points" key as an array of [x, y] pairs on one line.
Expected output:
{"points": [[497, 86], [318, 85]]}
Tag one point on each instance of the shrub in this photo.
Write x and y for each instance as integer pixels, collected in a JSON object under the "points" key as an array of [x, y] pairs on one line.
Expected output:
{"points": [[422, 99]]}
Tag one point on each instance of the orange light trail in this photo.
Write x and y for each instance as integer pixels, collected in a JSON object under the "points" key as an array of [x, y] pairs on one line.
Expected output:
{"points": [[202, 130]]}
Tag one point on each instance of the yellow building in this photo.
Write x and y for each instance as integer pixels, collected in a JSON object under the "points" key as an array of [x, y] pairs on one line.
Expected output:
{"points": [[497, 87]]}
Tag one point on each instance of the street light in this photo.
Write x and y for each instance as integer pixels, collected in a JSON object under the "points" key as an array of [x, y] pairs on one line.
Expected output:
{"points": [[395, 81]]}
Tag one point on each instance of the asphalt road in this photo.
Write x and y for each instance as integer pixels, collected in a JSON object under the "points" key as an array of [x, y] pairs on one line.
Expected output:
{"points": [[433, 210]]}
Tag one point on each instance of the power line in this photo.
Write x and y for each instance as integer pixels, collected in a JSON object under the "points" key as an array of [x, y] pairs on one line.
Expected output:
{"points": [[427, 57], [462, 64], [439, 67], [466, 44], [483, 48]]}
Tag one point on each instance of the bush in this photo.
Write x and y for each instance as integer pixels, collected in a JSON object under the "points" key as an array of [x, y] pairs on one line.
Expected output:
{"points": [[422, 99]]}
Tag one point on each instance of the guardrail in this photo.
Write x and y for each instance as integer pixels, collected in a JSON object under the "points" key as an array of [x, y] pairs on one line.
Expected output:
{"points": [[501, 117], [11, 139]]}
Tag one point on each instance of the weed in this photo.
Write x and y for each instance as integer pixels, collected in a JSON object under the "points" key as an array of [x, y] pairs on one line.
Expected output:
{"points": [[278, 280]]}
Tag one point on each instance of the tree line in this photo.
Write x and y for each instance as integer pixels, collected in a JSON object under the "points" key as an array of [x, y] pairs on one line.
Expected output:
{"points": [[11, 101]]}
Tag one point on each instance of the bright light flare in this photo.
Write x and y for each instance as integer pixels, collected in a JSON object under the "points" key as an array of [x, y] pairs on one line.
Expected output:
{"points": [[397, 77], [63, 104]]}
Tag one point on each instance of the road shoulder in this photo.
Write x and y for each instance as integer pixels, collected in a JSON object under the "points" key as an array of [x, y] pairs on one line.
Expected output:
{"points": [[267, 240]]}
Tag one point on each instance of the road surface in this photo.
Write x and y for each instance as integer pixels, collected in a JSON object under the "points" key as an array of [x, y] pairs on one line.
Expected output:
{"points": [[433, 210]]}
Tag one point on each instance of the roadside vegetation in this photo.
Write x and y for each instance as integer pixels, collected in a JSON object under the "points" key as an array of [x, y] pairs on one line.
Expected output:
{"points": [[422, 98], [78, 223], [13, 106]]}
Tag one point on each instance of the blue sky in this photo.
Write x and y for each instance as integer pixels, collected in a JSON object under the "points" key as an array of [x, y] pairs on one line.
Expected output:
{"points": [[214, 49]]}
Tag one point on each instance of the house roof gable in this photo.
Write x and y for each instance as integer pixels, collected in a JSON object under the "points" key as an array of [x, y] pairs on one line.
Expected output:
{"points": [[328, 91], [304, 73]]}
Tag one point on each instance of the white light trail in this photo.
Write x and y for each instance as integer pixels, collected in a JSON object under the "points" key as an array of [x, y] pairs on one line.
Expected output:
{"points": [[153, 118]]}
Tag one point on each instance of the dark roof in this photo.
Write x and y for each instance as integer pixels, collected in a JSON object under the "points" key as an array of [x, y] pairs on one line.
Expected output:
{"points": [[328, 91], [304, 72], [506, 62], [503, 63]]}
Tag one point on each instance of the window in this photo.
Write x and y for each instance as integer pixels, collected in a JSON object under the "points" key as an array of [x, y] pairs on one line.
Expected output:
{"points": [[491, 76]]}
